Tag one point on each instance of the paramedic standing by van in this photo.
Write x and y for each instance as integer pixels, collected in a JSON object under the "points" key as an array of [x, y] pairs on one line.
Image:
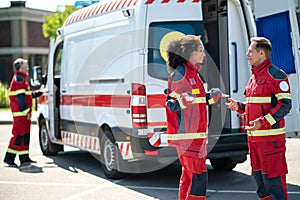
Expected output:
{"points": [[20, 103], [187, 113], [268, 100]]}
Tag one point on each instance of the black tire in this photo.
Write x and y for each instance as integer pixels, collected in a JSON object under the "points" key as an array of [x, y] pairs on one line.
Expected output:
{"points": [[226, 164], [110, 158], [47, 147]]}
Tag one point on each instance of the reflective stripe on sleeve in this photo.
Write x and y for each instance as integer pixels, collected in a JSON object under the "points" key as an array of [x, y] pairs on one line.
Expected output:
{"points": [[187, 136], [258, 99], [270, 119], [199, 100], [269, 132], [175, 95], [178, 98], [280, 96], [211, 101], [19, 114]]}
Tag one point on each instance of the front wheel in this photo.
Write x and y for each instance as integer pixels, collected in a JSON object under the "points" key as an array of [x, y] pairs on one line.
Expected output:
{"points": [[111, 158], [47, 147]]}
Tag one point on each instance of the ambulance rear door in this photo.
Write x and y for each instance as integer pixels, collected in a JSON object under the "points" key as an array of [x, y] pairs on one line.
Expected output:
{"points": [[277, 21], [164, 23]]}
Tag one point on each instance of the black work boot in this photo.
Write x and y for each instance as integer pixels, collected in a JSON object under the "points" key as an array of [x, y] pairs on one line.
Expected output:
{"points": [[9, 159], [25, 159]]}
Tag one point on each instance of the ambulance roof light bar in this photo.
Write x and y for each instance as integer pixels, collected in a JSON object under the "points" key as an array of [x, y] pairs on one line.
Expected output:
{"points": [[80, 4]]}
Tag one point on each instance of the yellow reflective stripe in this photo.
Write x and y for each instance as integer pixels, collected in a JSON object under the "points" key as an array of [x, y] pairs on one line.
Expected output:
{"points": [[187, 136], [175, 95], [182, 106], [17, 152], [11, 151], [283, 96], [23, 152], [211, 101], [199, 100], [178, 98], [270, 119], [258, 99], [14, 93], [269, 132], [23, 113]]}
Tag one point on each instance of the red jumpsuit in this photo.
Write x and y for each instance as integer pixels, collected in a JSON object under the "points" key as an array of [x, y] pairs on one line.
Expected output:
{"points": [[268, 99], [187, 121], [20, 103]]}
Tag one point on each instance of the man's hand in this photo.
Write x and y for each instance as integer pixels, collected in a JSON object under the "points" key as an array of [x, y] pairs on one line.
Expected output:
{"points": [[232, 104], [254, 125], [29, 116]]}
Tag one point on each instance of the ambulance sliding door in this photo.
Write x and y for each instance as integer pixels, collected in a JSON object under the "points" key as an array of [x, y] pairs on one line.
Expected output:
{"points": [[277, 21]]}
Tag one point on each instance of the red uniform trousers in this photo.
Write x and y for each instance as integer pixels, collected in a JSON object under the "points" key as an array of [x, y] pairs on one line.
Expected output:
{"points": [[193, 180], [19, 143], [269, 168]]}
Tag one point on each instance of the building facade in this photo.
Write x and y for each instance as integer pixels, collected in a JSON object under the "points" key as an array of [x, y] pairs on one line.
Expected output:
{"points": [[21, 36]]}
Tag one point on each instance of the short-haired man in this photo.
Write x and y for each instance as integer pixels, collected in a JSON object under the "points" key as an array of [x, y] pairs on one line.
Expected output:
{"points": [[268, 100], [20, 104]]}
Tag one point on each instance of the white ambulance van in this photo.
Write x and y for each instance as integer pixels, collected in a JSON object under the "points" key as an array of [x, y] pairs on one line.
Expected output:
{"points": [[107, 75]]}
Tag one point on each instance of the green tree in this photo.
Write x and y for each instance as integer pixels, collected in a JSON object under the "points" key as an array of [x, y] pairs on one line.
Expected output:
{"points": [[4, 95], [55, 21]]}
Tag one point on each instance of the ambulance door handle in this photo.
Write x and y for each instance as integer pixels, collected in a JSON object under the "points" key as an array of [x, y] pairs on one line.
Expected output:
{"points": [[235, 68], [64, 91]]}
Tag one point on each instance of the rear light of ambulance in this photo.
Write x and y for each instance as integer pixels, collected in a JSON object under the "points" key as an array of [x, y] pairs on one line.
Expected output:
{"points": [[138, 106]]}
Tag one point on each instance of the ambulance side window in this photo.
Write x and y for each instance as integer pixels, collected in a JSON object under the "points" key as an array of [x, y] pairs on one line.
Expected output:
{"points": [[159, 35], [58, 60]]}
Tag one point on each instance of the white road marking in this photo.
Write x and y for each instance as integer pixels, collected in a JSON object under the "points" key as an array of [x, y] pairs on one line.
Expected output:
{"points": [[48, 184], [98, 187], [209, 191]]}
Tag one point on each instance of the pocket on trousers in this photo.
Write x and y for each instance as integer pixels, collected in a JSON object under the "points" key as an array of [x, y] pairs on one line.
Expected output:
{"points": [[193, 163], [275, 164]]}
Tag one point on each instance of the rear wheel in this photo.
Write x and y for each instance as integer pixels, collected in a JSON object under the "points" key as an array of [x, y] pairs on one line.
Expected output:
{"points": [[111, 158], [223, 163], [47, 147]]}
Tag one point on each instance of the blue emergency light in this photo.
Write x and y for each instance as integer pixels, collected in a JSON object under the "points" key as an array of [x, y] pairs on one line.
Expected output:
{"points": [[80, 4]]}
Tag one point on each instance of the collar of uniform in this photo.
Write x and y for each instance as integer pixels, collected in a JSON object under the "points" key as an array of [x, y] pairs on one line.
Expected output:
{"points": [[21, 74], [265, 65], [191, 66]]}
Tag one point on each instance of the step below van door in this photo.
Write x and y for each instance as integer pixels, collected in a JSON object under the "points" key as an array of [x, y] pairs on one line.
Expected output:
{"points": [[277, 21]]}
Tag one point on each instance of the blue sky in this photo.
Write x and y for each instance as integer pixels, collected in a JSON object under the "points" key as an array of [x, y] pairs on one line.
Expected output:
{"points": [[41, 4]]}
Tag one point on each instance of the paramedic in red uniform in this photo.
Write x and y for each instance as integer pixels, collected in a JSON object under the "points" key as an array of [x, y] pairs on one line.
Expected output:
{"points": [[187, 113], [20, 103], [268, 100]]}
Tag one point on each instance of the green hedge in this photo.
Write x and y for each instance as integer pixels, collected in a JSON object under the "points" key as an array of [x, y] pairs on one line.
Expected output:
{"points": [[4, 93]]}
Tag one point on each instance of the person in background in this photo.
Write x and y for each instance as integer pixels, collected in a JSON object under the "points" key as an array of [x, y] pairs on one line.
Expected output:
{"points": [[21, 107], [187, 114], [268, 100]]}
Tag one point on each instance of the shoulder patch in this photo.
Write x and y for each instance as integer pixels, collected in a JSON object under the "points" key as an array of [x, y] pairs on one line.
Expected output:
{"points": [[179, 73], [19, 78], [284, 86], [277, 73]]}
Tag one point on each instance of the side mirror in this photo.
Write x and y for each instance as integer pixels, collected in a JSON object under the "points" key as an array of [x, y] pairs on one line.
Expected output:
{"points": [[37, 79]]}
